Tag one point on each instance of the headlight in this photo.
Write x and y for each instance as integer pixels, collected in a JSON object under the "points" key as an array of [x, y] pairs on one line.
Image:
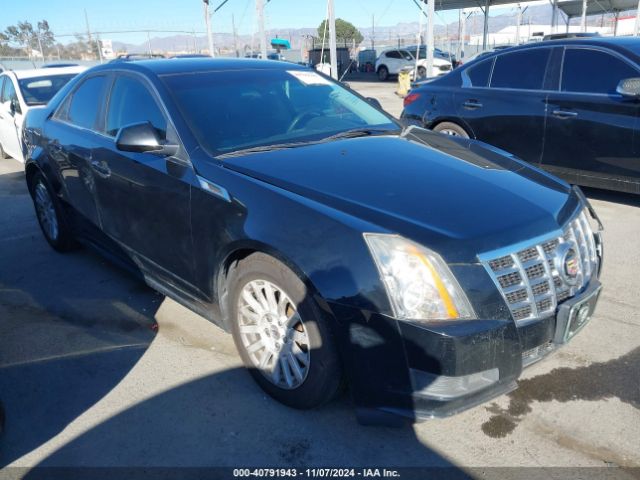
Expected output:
{"points": [[419, 284]]}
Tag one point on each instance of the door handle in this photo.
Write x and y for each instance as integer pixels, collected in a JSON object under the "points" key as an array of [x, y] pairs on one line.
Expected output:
{"points": [[101, 168], [472, 104], [564, 114]]}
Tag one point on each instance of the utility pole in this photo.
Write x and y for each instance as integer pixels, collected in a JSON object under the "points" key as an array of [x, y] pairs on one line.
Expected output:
{"points": [[462, 23], [207, 22], [86, 21], [149, 44], [431, 12], [99, 48], [333, 51], [260, 16], [235, 35], [373, 32]]}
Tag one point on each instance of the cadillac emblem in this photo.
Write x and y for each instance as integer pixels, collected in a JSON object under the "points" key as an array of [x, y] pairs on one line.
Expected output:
{"points": [[568, 263]]}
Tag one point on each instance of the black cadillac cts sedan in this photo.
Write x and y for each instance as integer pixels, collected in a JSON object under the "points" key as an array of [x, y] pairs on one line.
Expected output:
{"points": [[423, 271]]}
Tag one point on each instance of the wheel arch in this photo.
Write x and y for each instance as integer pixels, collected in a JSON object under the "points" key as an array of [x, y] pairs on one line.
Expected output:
{"points": [[455, 121], [243, 249]]}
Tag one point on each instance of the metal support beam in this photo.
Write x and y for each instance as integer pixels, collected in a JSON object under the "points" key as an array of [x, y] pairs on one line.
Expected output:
{"points": [[261, 34], [636, 28], [583, 18], [518, 22], [462, 24], [207, 22], [485, 31], [429, 41], [554, 17], [333, 51]]}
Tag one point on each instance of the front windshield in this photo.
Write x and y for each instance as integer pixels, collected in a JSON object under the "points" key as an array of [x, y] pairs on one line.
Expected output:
{"points": [[232, 110], [39, 90]]}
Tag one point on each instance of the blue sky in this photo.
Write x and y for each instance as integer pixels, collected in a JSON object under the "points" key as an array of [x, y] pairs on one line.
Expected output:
{"points": [[67, 16]]}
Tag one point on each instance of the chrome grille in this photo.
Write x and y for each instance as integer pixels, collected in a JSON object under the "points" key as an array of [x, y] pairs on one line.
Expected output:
{"points": [[528, 278]]}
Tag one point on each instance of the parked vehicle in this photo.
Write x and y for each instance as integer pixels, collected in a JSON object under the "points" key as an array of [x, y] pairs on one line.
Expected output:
{"points": [[392, 60], [568, 106], [20, 91], [425, 270]]}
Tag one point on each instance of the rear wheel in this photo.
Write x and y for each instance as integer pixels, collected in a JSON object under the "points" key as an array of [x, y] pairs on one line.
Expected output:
{"points": [[449, 128], [281, 334], [422, 72], [50, 214], [383, 74]]}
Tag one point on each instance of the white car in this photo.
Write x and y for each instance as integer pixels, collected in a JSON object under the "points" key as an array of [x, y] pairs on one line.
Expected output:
{"points": [[20, 91], [392, 60]]}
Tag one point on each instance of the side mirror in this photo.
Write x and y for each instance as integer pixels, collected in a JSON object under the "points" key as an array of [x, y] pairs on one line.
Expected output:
{"points": [[374, 102], [12, 106], [629, 87], [141, 138]]}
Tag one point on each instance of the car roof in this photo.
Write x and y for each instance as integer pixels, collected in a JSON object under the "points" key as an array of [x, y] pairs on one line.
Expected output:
{"points": [[621, 42], [40, 72], [172, 66]]}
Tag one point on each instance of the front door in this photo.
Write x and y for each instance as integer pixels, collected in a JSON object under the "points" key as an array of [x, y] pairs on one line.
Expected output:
{"points": [[10, 119], [590, 133], [145, 199], [504, 102]]}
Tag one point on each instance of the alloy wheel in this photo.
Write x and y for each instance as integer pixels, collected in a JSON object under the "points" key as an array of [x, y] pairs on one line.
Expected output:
{"points": [[46, 211], [273, 334]]}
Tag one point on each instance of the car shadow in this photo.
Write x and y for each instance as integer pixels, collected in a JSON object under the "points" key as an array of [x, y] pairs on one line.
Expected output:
{"points": [[71, 327]]}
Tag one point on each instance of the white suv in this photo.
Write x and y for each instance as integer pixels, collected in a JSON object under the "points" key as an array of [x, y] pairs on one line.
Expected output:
{"points": [[392, 60], [21, 90]]}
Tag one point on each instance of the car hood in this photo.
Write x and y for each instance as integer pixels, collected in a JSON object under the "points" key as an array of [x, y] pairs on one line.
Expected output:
{"points": [[460, 197]]}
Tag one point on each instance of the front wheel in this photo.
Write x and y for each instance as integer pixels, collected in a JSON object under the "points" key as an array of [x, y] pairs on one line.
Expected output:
{"points": [[452, 129], [281, 334]]}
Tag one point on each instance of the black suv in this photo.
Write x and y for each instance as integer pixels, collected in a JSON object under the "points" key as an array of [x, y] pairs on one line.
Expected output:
{"points": [[569, 106]]}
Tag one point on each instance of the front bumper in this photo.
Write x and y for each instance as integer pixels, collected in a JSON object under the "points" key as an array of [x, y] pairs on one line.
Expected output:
{"points": [[390, 362]]}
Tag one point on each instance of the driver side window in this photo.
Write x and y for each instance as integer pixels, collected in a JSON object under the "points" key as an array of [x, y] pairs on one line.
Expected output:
{"points": [[9, 94], [131, 102]]}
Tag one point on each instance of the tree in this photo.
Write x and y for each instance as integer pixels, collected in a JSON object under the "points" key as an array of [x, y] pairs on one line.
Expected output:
{"points": [[27, 38], [345, 32]]}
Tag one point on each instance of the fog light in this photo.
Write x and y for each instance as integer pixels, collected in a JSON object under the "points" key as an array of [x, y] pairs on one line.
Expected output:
{"points": [[441, 387]]}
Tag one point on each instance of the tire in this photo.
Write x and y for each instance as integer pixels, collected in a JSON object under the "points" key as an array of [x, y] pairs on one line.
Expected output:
{"points": [[3, 154], [422, 72], [51, 216], [449, 128], [383, 74], [266, 335]]}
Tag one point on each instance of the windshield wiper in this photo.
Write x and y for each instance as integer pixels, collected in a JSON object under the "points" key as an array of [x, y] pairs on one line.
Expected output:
{"points": [[262, 148], [361, 132]]}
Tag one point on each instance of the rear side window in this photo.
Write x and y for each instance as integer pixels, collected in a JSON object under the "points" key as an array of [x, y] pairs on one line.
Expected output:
{"points": [[593, 71], [479, 74], [131, 102], [393, 54], [86, 103], [523, 70]]}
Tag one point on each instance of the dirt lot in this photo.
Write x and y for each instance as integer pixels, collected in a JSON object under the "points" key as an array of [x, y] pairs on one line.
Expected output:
{"points": [[98, 370]]}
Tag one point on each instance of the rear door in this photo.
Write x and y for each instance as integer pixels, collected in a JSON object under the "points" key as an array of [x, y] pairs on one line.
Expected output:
{"points": [[590, 131], [73, 138], [502, 101], [394, 61]]}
